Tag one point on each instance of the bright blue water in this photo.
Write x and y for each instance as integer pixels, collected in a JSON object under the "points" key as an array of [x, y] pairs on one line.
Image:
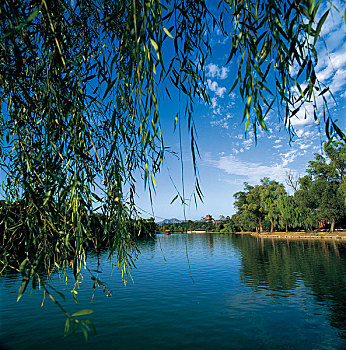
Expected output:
{"points": [[239, 293]]}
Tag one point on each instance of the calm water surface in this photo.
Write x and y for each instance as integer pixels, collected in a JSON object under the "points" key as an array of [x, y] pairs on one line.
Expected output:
{"points": [[228, 292]]}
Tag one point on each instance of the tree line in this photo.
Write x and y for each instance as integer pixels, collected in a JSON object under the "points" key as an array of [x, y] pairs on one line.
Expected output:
{"points": [[223, 225], [319, 199]]}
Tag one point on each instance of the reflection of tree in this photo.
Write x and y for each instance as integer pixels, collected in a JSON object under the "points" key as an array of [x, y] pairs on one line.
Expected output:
{"points": [[210, 242], [281, 265], [147, 244]]}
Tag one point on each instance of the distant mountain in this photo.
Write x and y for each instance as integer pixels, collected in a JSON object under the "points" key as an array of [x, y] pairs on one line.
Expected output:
{"points": [[169, 221]]}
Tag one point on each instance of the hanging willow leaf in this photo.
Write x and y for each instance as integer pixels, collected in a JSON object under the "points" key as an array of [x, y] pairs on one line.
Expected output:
{"points": [[174, 199], [22, 288], [319, 26], [67, 327], [168, 33], [83, 312], [156, 47]]}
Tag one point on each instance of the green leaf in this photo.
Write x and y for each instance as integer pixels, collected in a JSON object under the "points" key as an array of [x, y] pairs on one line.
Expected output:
{"points": [[247, 122], [319, 26], [323, 91], [110, 85], [21, 25], [168, 33], [247, 112], [73, 326], [83, 312], [22, 265], [34, 14], [339, 132], [174, 199], [175, 121], [67, 326], [85, 331], [90, 325], [153, 179], [22, 288], [156, 47], [259, 116], [311, 4], [59, 293], [317, 5], [146, 173]]}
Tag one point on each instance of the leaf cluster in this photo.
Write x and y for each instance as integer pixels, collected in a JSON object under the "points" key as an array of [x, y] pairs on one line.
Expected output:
{"points": [[273, 43]]}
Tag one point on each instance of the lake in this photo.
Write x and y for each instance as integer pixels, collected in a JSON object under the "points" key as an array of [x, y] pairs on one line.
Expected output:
{"points": [[196, 291]]}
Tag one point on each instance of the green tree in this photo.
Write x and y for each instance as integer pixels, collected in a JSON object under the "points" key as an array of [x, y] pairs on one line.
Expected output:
{"points": [[245, 221], [306, 203], [270, 191], [288, 213], [259, 205], [250, 211], [328, 173], [256, 206]]}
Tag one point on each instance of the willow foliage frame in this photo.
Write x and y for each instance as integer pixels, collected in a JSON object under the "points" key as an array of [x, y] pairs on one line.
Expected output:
{"points": [[80, 119]]}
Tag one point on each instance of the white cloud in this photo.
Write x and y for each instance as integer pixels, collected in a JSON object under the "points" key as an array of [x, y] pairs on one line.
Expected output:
{"points": [[333, 29], [305, 133], [224, 73], [220, 91], [214, 86], [289, 156], [248, 143], [300, 120], [214, 102], [215, 106], [304, 145], [249, 171], [223, 122], [332, 66], [214, 71]]}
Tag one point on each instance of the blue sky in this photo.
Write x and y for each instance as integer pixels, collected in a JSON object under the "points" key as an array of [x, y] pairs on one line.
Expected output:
{"points": [[228, 157]]}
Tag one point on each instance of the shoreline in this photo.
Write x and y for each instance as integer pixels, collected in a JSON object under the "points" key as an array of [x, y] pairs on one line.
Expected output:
{"points": [[338, 235], [299, 235]]}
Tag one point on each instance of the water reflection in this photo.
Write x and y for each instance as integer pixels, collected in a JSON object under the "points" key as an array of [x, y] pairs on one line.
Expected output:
{"points": [[282, 265], [197, 291]]}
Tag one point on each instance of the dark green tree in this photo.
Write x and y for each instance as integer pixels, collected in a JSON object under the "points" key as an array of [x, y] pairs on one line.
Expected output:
{"points": [[270, 191], [328, 173], [250, 210], [288, 212], [306, 203]]}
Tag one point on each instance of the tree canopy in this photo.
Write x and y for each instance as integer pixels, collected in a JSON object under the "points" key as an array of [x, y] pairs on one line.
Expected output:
{"points": [[318, 201], [80, 83]]}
